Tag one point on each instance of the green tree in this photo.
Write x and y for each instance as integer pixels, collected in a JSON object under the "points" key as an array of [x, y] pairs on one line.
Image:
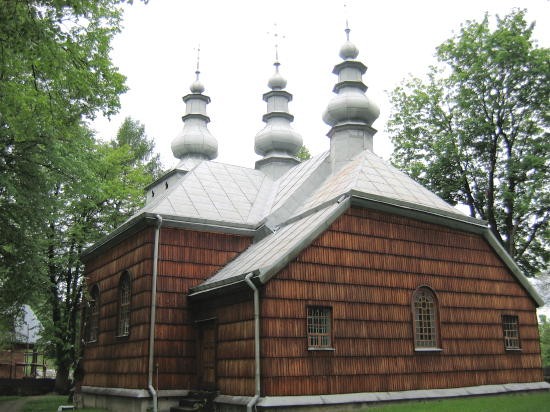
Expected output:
{"points": [[303, 154], [132, 133], [55, 72], [544, 331], [107, 189], [475, 131]]}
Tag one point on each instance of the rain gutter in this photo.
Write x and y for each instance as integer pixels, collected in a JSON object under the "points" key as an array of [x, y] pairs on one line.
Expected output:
{"points": [[257, 386], [150, 387]]}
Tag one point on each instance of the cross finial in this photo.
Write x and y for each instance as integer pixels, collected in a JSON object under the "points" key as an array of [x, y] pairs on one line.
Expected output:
{"points": [[347, 23], [198, 49], [276, 36]]}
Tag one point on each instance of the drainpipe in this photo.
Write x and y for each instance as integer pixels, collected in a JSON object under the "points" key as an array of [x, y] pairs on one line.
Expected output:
{"points": [[256, 397], [150, 387]]}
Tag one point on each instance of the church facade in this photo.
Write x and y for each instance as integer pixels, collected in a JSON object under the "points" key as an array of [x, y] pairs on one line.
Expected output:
{"points": [[324, 283]]}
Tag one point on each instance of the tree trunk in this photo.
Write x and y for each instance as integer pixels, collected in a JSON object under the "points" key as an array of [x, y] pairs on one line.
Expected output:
{"points": [[62, 381]]}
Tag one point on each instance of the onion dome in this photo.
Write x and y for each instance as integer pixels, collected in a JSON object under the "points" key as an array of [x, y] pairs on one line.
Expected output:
{"points": [[197, 86], [195, 140], [277, 138], [276, 82], [350, 105], [349, 51]]}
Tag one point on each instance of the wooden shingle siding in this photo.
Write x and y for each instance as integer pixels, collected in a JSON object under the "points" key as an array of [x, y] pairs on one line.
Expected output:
{"points": [[234, 317], [112, 361], [366, 267], [186, 258]]}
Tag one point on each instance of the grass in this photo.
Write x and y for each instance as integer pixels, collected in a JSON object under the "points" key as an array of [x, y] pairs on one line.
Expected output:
{"points": [[8, 398], [45, 404], [50, 403], [525, 402]]}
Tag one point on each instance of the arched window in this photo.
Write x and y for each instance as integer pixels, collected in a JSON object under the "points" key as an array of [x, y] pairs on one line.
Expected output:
{"points": [[124, 298], [425, 316], [92, 327]]}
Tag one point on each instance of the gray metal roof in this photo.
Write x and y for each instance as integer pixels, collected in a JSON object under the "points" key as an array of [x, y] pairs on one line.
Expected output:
{"points": [[216, 192], [27, 326], [227, 194], [273, 252], [369, 174], [295, 178]]}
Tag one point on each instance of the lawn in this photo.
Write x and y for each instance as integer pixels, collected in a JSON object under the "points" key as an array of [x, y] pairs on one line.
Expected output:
{"points": [[50, 403], [524, 402], [8, 398]]}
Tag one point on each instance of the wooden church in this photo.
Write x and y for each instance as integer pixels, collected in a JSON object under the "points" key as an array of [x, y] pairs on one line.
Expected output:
{"points": [[319, 284]]}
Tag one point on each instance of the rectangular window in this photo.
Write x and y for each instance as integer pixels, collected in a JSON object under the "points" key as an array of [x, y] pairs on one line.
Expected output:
{"points": [[510, 328], [124, 308], [425, 334], [94, 320], [319, 327], [92, 315]]}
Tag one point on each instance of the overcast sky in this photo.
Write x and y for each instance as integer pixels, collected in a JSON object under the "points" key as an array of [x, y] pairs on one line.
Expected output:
{"points": [[156, 50]]}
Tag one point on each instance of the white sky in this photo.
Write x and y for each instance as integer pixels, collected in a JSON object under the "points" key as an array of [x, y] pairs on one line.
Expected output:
{"points": [[156, 51]]}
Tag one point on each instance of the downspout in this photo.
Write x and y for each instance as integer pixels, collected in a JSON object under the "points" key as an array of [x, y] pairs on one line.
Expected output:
{"points": [[254, 400], [150, 387]]}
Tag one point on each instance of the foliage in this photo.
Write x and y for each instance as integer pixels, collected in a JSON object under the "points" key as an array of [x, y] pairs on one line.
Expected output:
{"points": [[476, 132], [55, 71], [132, 135], [7, 330], [539, 401], [107, 190], [60, 188], [303, 154], [544, 331]]}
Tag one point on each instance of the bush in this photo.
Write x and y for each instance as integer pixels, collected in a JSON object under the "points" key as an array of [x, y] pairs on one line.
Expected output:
{"points": [[544, 330]]}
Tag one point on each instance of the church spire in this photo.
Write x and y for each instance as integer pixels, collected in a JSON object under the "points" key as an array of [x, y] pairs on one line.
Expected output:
{"points": [[195, 142], [350, 113], [277, 142]]}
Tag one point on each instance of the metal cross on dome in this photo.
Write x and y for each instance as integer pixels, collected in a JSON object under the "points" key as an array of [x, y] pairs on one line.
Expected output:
{"points": [[276, 37], [346, 13], [198, 50]]}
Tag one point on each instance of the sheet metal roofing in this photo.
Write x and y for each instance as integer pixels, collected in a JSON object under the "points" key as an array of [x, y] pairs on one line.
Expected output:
{"points": [[311, 208], [230, 194], [274, 251], [217, 192], [371, 175], [27, 326]]}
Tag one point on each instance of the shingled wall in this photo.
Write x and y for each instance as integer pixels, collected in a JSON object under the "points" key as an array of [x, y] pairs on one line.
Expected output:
{"points": [[366, 268]]}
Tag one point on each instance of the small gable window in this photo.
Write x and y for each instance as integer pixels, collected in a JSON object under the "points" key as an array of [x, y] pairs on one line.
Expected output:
{"points": [[92, 312], [124, 297], [319, 328], [425, 319], [510, 328]]}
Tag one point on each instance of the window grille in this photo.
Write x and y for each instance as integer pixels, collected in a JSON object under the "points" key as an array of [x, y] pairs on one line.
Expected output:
{"points": [[319, 327], [93, 315], [510, 326], [425, 319], [124, 297]]}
